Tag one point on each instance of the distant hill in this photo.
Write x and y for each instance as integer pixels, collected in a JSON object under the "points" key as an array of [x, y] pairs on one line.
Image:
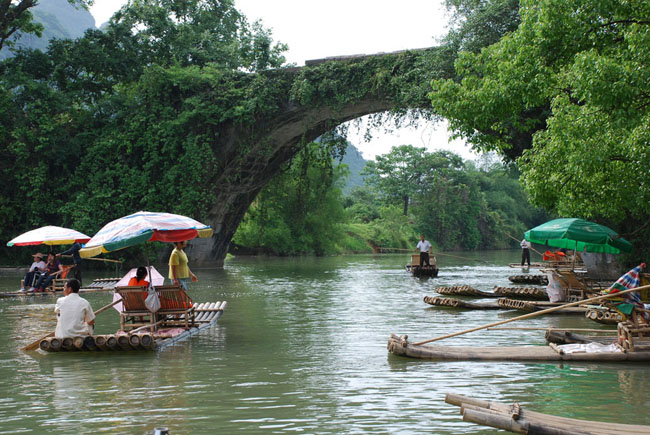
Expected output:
{"points": [[60, 20], [356, 163]]}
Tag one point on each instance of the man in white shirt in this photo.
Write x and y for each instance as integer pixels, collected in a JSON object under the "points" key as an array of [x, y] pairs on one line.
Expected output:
{"points": [[525, 252], [37, 266], [424, 247], [74, 314]]}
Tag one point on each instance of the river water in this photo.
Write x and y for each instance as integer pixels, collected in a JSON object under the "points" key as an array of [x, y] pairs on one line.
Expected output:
{"points": [[301, 348]]}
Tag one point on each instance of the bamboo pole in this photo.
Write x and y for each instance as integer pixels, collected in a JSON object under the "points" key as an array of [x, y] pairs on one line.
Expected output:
{"points": [[535, 314], [609, 331], [513, 238], [33, 345]]}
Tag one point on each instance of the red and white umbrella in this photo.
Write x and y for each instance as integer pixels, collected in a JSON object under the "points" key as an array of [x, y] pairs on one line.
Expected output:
{"points": [[49, 235]]}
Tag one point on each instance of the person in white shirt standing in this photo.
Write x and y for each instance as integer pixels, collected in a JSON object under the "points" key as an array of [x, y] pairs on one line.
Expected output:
{"points": [[74, 314], [525, 252], [424, 247]]}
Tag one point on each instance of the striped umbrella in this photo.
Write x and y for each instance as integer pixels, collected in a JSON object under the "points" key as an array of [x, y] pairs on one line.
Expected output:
{"points": [[630, 280], [141, 227], [49, 235]]}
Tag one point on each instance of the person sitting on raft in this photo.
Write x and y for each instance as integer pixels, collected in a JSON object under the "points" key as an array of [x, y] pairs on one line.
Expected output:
{"points": [[74, 315], [52, 269], [139, 278], [37, 267]]}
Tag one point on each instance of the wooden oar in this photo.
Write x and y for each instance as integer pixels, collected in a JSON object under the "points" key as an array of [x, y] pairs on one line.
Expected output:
{"points": [[34, 345], [537, 313]]}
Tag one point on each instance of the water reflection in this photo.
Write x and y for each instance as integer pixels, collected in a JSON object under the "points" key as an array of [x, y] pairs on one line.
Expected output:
{"points": [[302, 347]]}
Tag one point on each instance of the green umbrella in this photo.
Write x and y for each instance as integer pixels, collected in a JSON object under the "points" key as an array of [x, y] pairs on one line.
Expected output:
{"points": [[578, 234]]}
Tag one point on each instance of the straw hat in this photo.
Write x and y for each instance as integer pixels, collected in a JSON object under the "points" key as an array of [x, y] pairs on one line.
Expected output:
{"points": [[39, 255]]}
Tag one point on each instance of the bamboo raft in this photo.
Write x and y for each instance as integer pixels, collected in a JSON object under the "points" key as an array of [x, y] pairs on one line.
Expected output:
{"points": [[457, 303], [516, 292], [515, 418], [207, 314], [502, 304], [530, 306], [529, 279], [416, 270], [100, 284], [604, 316], [399, 345], [522, 292]]}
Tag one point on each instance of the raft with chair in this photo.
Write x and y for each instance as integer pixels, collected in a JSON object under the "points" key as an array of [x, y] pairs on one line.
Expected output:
{"points": [[167, 331], [515, 418], [399, 345], [629, 346]]}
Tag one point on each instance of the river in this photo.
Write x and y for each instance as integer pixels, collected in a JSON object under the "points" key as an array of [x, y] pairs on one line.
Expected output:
{"points": [[301, 348]]}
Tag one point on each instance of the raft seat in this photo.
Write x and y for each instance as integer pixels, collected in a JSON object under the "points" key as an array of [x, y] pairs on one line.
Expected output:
{"points": [[176, 305], [135, 313]]}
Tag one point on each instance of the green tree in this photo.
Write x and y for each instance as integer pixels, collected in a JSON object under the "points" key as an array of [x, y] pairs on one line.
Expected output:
{"points": [[398, 174], [569, 87]]}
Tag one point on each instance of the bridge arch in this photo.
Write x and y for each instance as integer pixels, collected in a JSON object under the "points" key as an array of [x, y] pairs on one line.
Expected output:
{"points": [[315, 99]]}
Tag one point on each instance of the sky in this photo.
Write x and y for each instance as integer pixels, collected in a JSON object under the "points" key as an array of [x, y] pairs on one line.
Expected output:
{"points": [[318, 29]]}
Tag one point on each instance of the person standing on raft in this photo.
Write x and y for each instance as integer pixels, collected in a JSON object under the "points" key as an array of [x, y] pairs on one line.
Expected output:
{"points": [[525, 252], [74, 315], [179, 271], [424, 247]]}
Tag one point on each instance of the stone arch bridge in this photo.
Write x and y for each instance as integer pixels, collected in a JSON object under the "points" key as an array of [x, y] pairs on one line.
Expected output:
{"points": [[314, 99]]}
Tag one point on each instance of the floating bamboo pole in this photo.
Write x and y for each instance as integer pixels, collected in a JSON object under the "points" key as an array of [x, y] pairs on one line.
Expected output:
{"points": [[67, 344], [514, 328], [44, 344], [78, 343], [111, 342], [100, 342], [146, 341], [123, 342], [55, 344], [134, 341], [89, 342], [535, 314]]}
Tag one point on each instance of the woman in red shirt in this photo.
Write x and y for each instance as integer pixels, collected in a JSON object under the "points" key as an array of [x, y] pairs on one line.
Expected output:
{"points": [[139, 278]]}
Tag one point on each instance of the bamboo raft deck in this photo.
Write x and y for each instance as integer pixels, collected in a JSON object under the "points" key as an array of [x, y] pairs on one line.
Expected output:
{"points": [[418, 271], [498, 292], [100, 284], [515, 418], [604, 316], [457, 303], [401, 346], [502, 304], [207, 314], [529, 279]]}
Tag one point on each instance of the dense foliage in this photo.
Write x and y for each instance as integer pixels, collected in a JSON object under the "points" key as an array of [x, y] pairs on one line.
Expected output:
{"points": [[125, 119], [300, 210], [455, 204], [566, 93]]}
